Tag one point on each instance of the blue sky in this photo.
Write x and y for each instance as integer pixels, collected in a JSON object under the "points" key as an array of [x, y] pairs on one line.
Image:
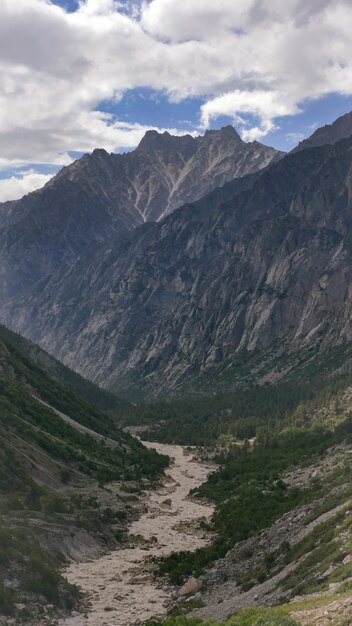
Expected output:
{"points": [[99, 73]]}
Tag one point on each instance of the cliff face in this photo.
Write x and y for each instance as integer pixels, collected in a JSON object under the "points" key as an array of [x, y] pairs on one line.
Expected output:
{"points": [[265, 258], [102, 196]]}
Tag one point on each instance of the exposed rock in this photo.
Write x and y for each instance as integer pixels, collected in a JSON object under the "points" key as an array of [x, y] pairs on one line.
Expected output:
{"points": [[102, 195], [190, 587], [338, 612], [329, 134]]}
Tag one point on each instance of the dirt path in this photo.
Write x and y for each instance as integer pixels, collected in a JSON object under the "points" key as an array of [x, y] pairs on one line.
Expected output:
{"points": [[119, 585], [77, 426]]}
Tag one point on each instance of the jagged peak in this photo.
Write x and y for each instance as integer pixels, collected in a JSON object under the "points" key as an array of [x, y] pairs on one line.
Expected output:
{"points": [[226, 132], [99, 153], [153, 139]]}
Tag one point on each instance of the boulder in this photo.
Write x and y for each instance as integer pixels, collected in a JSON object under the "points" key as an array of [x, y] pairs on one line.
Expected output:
{"points": [[190, 587]]}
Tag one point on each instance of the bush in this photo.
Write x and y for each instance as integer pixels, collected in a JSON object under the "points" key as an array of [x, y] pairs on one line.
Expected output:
{"points": [[246, 617], [6, 598], [261, 617]]}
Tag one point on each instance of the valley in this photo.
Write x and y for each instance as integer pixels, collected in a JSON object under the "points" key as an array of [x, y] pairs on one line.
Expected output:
{"points": [[200, 290], [175, 313], [120, 586]]}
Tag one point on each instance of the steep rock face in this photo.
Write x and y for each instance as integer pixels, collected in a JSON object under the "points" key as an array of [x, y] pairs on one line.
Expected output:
{"points": [[202, 164], [329, 134], [266, 257], [101, 196]]}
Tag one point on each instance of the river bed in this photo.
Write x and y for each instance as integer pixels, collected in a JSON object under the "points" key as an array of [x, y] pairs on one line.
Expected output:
{"points": [[119, 585]]}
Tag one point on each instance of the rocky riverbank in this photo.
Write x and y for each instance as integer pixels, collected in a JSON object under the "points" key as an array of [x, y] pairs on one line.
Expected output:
{"points": [[120, 586]]}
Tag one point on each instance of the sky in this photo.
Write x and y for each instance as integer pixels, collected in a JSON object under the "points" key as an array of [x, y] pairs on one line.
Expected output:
{"points": [[81, 74]]}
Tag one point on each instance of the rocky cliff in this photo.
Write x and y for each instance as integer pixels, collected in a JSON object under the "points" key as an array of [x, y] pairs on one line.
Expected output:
{"points": [[101, 196], [266, 258]]}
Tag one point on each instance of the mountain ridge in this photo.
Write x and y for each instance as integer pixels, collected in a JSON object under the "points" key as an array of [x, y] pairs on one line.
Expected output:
{"points": [[341, 128], [265, 258], [100, 197]]}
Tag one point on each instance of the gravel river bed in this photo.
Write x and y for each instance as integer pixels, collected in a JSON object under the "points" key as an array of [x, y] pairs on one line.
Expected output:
{"points": [[120, 585]]}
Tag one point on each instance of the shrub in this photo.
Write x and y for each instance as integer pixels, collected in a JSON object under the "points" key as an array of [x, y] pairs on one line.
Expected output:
{"points": [[6, 598]]}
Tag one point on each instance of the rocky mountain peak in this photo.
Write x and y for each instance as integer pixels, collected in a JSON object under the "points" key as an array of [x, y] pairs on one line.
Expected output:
{"points": [[101, 196], [328, 134], [100, 153], [226, 133], [154, 141]]}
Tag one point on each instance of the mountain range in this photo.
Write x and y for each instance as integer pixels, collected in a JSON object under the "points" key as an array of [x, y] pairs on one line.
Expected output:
{"points": [[179, 296], [102, 196]]}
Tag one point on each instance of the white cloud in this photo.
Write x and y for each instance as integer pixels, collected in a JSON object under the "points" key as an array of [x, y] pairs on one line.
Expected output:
{"points": [[265, 105], [261, 58], [17, 186]]}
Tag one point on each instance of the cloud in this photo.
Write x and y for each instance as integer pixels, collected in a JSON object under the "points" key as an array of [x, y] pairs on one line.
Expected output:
{"points": [[265, 105], [17, 186], [251, 60]]}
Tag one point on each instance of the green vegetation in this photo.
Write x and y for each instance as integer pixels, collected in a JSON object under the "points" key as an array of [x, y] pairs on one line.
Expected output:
{"points": [[35, 570], [250, 495], [316, 553], [244, 413], [246, 617], [248, 489], [21, 411], [93, 394]]}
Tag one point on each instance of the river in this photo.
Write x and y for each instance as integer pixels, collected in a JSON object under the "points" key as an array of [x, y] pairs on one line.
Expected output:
{"points": [[120, 585]]}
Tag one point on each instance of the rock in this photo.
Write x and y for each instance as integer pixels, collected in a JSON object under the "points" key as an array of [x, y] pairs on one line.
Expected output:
{"points": [[139, 580], [190, 587]]}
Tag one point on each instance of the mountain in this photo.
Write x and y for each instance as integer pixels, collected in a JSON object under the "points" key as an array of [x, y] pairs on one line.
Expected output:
{"points": [[328, 134], [258, 272], [101, 196], [101, 399], [57, 452]]}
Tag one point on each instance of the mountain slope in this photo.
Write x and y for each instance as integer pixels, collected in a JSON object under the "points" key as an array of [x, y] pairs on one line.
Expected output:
{"points": [[56, 453], [266, 258], [101, 196], [100, 398], [328, 134]]}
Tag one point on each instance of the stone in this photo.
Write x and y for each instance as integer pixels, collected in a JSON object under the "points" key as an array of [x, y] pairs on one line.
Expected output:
{"points": [[190, 587]]}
